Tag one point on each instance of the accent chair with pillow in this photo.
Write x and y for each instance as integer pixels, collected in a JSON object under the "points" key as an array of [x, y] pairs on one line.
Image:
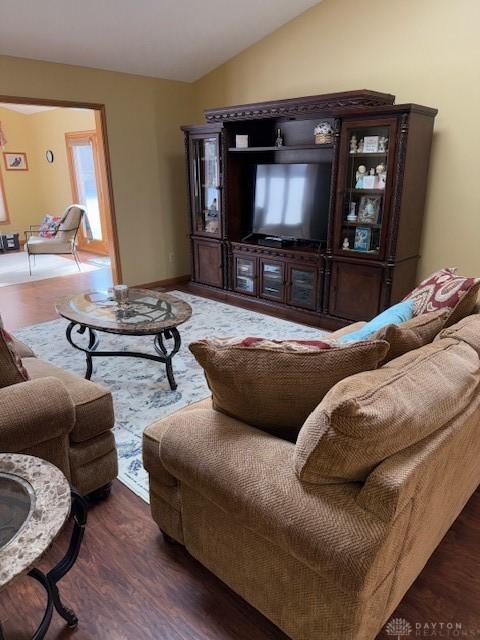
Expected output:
{"points": [[58, 416], [61, 240], [325, 534]]}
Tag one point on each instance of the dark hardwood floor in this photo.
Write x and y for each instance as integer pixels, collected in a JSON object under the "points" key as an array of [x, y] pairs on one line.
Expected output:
{"points": [[129, 584]]}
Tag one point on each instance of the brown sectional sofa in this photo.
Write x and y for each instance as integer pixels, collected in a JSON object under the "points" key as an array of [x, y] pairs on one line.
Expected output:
{"points": [[62, 418], [330, 558]]}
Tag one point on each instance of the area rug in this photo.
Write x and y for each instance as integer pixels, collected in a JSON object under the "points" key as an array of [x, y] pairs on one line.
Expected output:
{"points": [[14, 268], [140, 389]]}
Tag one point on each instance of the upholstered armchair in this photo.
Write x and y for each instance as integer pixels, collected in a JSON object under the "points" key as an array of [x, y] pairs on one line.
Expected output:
{"points": [[63, 241]]}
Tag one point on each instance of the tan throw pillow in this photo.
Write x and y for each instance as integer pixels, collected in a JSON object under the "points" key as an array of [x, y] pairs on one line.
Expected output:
{"points": [[11, 368], [276, 385], [467, 330], [412, 334], [373, 415]]}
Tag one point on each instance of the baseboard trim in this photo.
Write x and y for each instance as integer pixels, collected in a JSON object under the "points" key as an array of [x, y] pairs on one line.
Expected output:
{"points": [[168, 282]]}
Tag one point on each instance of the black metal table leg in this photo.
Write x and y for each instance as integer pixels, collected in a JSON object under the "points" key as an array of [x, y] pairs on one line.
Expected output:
{"points": [[91, 349], [49, 581], [161, 349], [92, 344]]}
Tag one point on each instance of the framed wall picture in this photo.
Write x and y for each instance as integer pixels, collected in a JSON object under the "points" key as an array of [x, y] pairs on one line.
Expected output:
{"points": [[362, 239], [369, 209], [15, 161]]}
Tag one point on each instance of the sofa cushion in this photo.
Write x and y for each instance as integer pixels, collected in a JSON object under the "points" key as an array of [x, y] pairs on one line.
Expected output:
{"points": [[93, 403], [412, 334], [373, 415], [12, 370], [467, 330], [445, 290], [275, 386]]}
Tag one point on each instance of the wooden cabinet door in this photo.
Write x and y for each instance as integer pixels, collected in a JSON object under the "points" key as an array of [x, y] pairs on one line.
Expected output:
{"points": [[302, 285], [208, 262], [245, 275], [272, 280], [355, 290]]}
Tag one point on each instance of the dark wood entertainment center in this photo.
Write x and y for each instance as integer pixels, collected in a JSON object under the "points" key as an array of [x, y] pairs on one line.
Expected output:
{"points": [[370, 256]]}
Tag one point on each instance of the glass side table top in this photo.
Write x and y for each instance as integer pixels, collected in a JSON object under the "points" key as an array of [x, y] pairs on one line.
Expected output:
{"points": [[34, 505], [16, 501], [145, 312]]}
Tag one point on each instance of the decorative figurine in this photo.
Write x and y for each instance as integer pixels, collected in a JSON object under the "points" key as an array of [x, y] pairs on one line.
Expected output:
{"points": [[382, 144], [353, 144], [381, 177], [359, 176], [352, 215], [372, 171], [279, 139], [323, 132], [346, 244], [360, 146]]}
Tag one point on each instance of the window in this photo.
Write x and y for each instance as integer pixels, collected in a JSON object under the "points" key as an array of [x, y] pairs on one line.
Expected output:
{"points": [[3, 203]]}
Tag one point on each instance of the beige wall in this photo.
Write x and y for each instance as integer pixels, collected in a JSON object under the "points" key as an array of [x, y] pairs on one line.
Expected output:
{"points": [[45, 187], [53, 179], [424, 51], [146, 149], [20, 187]]}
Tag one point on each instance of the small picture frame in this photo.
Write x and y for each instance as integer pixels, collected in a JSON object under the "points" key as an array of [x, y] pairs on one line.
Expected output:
{"points": [[370, 144], [369, 209], [15, 161], [363, 236], [368, 182], [241, 142]]}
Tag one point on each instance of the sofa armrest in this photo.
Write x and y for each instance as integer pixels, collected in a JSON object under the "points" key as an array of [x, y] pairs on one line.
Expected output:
{"points": [[34, 412]]}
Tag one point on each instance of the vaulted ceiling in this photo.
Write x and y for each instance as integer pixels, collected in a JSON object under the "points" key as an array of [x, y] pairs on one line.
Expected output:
{"points": [[175, 39]]}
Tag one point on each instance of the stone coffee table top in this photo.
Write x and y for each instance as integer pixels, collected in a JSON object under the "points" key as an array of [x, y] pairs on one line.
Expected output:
{"points": [[145, 312], [34, 505]]}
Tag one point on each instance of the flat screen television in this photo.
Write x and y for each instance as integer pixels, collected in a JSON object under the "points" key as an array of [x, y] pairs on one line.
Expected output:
{"points": [[292, 200]]}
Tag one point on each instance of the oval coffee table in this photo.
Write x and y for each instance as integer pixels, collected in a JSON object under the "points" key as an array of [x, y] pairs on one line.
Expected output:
{"points": [[145, 313], [35, 502]]}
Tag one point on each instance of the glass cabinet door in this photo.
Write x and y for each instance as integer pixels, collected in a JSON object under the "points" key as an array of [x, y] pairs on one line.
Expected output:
{"points": [[206, 190], [245, 275], [302, 287], [366, 169], [272, 280]]}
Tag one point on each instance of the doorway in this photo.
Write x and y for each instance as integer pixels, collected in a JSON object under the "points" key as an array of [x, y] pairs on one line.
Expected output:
{"points": [[69, 164], [88, 188]]}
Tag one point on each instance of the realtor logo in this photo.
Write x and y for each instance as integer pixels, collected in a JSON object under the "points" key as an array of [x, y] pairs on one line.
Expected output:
{"points": [[399, 628]]}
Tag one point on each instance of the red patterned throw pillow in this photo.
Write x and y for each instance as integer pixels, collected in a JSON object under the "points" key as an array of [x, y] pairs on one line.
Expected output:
{"points": [[445, 290]]}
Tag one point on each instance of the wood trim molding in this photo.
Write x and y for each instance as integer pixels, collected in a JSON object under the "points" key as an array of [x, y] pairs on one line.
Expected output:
{"points": [[168, 282], [300, 106], [3, 196]]}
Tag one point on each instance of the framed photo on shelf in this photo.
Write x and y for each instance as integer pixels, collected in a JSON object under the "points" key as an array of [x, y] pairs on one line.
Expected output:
{"points": [[370, 144], [15, 161], [362, 239], [369, 209]]}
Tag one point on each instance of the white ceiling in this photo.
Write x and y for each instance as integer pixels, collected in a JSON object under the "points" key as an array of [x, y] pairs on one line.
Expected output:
{"points": [[26, 109], [176, 39]]}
